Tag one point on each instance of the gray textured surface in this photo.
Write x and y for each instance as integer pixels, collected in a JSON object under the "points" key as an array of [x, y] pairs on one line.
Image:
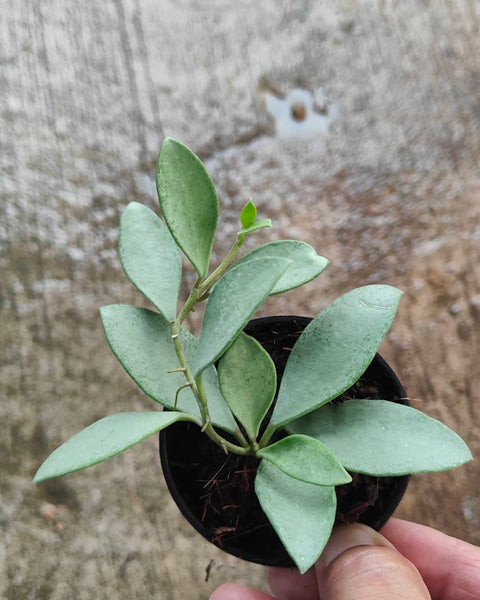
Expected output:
{"points": [[387, 187]]}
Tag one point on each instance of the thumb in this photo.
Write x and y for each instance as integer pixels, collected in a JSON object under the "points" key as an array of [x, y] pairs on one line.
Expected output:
{"points": [[360, 564]]}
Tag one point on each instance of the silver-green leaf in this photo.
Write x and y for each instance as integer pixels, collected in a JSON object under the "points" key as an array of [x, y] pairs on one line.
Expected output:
{"points": [[104, 439], [306, 263], [307, 459], [188, 201], [141, 340], [150, 257], [383, 438], [232, 302], [334, 350], [301, 513], [248, 382]]}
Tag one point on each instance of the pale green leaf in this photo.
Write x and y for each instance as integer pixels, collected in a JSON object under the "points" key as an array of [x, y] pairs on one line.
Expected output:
{"points": [[261, 224], [188, 201], [232, 302], [301, 513], [248, 214], [307, 459], [306, 263], [141, 340], [378, 437], [334, 350], [150, 257], [248, 381], [104, 439]]}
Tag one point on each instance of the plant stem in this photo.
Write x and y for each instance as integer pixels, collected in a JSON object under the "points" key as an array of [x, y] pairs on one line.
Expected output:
{"points": [[205, 286], [192, 299], [196, 385], [269, 431], [210, 431]]}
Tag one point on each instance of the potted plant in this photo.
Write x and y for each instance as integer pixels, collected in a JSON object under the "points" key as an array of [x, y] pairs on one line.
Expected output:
{"points": [[267, 457]]}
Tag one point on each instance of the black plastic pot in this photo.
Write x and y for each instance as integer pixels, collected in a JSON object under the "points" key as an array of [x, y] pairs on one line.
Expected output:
{"points": [[216, 493]]}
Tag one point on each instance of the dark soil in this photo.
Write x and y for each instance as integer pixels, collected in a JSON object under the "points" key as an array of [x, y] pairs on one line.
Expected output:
{"points": [[216, 492]]}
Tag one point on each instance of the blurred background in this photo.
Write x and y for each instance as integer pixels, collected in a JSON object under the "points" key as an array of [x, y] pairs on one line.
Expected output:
{"points": [[353, 125]]}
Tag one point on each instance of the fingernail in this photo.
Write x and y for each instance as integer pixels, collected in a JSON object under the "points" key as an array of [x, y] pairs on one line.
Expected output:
{"points": [[348, 536]]}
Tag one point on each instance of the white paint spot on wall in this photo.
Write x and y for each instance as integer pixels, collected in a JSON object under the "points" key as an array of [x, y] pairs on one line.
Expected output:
{"points": [[301, 113]]}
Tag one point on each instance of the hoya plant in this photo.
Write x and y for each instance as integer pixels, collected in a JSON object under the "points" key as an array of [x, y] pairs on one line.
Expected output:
{"points": [[225, 382]]}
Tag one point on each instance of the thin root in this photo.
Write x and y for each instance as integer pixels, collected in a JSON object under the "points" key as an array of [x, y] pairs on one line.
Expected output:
{"points": [[185, 385]]}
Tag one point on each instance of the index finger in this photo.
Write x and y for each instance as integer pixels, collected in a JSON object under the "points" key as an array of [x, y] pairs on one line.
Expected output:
{"points": [[449, 567]]}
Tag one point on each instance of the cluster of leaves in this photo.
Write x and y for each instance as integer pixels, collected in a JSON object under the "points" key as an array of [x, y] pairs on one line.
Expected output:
{"points": [[297, 475]]}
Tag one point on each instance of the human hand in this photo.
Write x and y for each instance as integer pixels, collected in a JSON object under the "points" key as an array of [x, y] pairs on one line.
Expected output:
{"points": [[407, 562]]}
